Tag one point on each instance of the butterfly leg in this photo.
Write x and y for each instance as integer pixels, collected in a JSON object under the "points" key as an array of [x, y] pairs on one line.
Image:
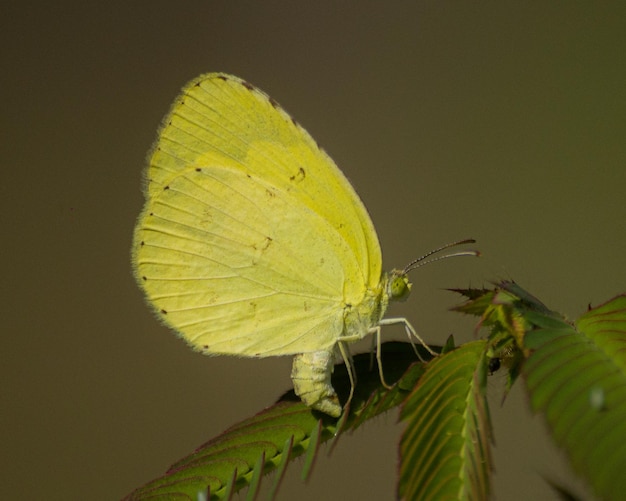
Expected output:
{"points": [[379, 360], [347, 359], [376, 342], [411, 333]]}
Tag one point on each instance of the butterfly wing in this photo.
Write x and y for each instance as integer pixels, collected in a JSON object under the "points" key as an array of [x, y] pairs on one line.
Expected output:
{"points": [[251, 242]]}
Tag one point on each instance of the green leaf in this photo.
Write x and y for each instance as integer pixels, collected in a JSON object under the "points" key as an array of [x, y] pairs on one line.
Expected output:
{"points": [[266, 442], [510, 312], [445, 450], [576, 376]]}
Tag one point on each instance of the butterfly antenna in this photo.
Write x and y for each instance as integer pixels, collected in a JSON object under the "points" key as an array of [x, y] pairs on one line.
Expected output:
{"points": [[421, 261]]}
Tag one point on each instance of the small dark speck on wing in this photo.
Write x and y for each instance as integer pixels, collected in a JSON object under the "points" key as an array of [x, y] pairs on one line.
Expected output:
{"points": [[299, 176]]}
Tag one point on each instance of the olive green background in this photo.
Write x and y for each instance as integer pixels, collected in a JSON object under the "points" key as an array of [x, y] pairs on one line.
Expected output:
{"points": [[502, 121]]}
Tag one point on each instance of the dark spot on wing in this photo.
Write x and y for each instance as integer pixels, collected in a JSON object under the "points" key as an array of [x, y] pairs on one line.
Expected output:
{"points": [[299, 176], [247, 85], [264, 245], [222, 77], [145, 278], [198, 169], [166, 187], [274, 103], [164, 312]]}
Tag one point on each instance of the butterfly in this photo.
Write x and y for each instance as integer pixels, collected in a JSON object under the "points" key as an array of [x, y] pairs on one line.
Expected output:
{"points": [[253, 243]]}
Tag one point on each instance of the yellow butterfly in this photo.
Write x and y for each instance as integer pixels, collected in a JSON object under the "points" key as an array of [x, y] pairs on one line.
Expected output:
{"points": [[253, 243]]}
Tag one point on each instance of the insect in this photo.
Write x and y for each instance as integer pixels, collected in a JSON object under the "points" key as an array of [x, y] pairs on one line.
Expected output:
{"points": [[253, 243]]}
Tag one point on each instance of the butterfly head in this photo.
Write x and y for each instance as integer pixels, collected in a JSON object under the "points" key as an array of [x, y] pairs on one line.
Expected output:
{"points": [[398, 286]]}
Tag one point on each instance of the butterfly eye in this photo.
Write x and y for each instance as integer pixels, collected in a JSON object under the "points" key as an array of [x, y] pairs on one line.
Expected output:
{"points": [[399, 287]]}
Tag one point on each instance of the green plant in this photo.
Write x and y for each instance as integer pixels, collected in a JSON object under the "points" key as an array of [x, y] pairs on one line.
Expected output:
{"points": [[575, 375]]}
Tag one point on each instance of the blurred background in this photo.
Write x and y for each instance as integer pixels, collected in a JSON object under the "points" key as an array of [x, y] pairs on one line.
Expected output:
{"points": [[501, 121]]}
